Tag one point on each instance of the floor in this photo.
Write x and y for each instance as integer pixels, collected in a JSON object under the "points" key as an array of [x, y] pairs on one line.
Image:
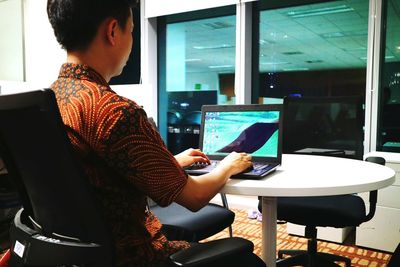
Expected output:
{"points": [[239, 202]]}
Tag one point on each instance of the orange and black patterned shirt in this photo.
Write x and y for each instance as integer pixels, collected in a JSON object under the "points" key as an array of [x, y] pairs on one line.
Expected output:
{"points": [[125, 159]]}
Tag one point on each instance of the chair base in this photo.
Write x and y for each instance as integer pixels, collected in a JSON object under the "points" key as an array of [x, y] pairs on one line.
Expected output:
{"points": [[311, 257], [303, 258]]}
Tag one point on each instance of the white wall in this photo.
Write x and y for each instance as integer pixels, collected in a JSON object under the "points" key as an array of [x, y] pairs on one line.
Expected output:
{"points": [[28, 33], [43, 54], [155, 8], [141, 94], [12, 87], [11, 42]]}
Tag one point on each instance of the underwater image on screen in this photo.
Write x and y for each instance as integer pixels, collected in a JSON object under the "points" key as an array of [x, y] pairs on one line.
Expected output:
{"points": [[253, 132]]}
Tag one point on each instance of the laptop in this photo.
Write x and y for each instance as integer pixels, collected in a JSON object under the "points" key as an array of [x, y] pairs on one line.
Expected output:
{"points": [[254, 129]]}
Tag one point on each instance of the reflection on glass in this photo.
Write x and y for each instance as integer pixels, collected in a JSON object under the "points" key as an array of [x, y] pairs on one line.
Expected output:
{"points": [[200, 68], [389, 124], [313, 50]]}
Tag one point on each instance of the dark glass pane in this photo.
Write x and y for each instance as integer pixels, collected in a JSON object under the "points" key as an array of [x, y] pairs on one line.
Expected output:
{"points": [[389, 101], [312, 49]]}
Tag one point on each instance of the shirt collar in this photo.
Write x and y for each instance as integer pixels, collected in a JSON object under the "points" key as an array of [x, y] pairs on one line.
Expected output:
{"points": [[81, 72]]}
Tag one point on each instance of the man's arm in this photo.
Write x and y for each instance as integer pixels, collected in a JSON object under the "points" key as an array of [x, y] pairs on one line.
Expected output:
{"points": [[199, 190]]}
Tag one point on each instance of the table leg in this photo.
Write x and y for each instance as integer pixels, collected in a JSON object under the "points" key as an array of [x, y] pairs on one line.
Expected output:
{"points": [[269, 218]]}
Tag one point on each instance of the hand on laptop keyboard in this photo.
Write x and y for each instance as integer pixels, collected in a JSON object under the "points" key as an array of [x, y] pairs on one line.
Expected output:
{"points": [[191, 156], [202, 165], [198, 165]]}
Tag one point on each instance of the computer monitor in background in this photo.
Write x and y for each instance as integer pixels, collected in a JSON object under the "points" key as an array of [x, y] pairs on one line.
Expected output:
{"points": [[187, 101], [324, 125], [184, 117]]}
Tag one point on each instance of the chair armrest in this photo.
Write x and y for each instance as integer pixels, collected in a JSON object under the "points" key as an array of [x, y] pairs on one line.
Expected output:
{"points": [[373, 195], [204, 254], [373, 198], [30, 247], [224, 201]]}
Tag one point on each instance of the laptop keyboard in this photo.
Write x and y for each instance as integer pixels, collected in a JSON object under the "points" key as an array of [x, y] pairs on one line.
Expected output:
{"points": [[202, 165], [257, 166]]}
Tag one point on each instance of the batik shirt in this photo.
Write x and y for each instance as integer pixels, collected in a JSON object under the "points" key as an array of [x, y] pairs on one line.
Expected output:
{"points": [[125, 159]]}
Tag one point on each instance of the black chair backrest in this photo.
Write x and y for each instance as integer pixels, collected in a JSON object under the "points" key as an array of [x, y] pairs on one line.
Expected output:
{"points": [[331, 123], [54, 190]]}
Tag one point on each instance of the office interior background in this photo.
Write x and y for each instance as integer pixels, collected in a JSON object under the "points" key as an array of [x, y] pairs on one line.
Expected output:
{"points": [[190, 53]]}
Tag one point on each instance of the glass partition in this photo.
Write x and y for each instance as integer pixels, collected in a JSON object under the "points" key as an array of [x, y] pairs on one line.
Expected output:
{"points": [[389, 100], [312, 48], [198, 69]]}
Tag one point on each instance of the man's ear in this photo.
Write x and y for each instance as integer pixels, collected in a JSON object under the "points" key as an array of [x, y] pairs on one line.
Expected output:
{"points": [[112, 25]]}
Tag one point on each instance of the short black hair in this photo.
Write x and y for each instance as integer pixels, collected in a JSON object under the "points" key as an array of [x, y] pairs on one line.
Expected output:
{"points": [[75, 22]]}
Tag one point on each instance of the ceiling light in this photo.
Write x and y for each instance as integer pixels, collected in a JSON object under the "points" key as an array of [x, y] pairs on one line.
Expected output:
{"points": [[263, 42], [213, 47], [386, 57], [192, 59], [295, 69], [266, 42], [355, 49], [332, 35], [344, 34], [319, 11], [274, 63], [218, 25], [220, 66]]}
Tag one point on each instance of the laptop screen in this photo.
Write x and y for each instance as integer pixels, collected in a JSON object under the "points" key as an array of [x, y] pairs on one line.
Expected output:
{"points": [[252, 131]]}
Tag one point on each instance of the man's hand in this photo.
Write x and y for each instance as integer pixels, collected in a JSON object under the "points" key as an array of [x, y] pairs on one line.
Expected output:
{"points": [[191, 156], [235, 162]]}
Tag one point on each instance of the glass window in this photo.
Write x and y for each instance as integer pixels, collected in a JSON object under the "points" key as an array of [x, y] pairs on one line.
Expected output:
{"points": [[312, 49], [316, 49], [389, 101], [197, 68]]}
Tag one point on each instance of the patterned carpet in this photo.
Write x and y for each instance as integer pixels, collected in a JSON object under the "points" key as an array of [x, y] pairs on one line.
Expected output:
{"points": [[251, 229]]}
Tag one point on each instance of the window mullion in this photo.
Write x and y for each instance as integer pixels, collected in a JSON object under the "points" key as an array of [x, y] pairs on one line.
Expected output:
{"points": [[243, 53]]}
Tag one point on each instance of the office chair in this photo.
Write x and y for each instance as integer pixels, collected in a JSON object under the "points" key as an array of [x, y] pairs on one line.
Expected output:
{"points": [[9, 205], [61, 223], [340, 137], [324, 211], [179, 223]]}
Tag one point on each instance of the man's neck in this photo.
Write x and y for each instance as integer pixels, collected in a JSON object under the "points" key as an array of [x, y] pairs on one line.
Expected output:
{"points": [[90, 60]]}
